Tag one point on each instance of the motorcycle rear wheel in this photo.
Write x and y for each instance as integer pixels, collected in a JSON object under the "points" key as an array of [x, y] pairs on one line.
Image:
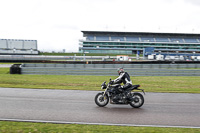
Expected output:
{"points": [[138, 100], [101, 100]]}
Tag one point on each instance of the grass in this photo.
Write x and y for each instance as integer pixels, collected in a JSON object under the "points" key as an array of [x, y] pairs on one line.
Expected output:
{"points": [[26, 127], [176, 84]]}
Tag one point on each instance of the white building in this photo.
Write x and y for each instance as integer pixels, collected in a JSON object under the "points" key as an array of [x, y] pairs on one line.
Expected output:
{"points": [[14, 46]]}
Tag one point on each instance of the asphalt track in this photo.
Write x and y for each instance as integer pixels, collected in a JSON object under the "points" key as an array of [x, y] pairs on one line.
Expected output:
{"points": [[70, 106]]}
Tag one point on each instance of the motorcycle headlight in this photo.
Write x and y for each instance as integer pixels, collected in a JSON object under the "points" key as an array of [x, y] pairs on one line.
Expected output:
{"points": [[103, 87]]}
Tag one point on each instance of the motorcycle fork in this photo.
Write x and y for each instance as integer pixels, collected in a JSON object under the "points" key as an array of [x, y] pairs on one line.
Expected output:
{"points": [[104, 93]]}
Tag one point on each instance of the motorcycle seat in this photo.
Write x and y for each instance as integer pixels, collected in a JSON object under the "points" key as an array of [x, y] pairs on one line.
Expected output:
{"points": [[133, 87]]}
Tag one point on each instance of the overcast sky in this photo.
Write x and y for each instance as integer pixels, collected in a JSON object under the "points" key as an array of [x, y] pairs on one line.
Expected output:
{"points": [[57, 24]]}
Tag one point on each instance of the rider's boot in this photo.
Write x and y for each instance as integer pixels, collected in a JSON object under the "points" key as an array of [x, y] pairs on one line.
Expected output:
{"points": [[128, 96], [120, 89]]}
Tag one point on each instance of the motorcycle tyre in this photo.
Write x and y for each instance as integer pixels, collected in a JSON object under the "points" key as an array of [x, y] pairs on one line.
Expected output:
{"points": [[96, 100], [141, 97]]}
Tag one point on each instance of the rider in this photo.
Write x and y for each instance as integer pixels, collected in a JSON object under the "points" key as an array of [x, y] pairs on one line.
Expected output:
{"points": [[123, 78]]}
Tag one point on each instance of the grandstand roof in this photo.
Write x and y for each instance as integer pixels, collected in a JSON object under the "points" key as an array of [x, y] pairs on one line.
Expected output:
{"points": [[141, 33]]}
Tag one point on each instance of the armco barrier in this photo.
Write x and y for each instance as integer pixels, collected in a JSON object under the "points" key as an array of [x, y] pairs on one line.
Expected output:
{"points": [[111, 69]]}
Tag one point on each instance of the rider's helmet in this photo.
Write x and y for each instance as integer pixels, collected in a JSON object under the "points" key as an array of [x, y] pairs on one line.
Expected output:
{"points": [[120, 70]]}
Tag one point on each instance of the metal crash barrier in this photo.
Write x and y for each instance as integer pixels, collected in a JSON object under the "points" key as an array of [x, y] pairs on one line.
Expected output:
{"points": [[107, 69]]}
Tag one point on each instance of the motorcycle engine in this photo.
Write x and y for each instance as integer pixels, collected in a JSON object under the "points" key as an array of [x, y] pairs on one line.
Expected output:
{"points": [[118, 98]]}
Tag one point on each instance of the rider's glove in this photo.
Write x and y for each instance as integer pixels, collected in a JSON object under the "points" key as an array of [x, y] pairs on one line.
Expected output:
{"points": [[112, 82]]}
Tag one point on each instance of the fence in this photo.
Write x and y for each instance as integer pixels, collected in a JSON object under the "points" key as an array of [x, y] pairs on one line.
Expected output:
{"points": [[111, 69]]}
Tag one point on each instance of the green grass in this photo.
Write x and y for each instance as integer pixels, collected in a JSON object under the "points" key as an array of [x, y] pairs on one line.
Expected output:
{"points": [[177, 84], [27, 127]]}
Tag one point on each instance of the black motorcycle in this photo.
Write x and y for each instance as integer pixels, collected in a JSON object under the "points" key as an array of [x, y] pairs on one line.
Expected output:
{"points": [[118, 96]]}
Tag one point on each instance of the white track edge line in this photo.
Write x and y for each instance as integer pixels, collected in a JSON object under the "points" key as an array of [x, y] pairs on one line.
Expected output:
{"points": [[86, 123]]}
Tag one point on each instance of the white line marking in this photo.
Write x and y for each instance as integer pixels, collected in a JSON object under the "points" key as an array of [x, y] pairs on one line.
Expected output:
{"points": [[85, 123]]}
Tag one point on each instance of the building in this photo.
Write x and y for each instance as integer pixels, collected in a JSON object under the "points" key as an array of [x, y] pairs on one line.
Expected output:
{"points": [[14, 46], [136, 42]]}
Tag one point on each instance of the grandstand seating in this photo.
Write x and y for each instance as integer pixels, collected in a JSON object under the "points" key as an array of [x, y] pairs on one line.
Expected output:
{"points": [[134, 39], [117, 38], [143, 39], [191, 40], [148, 39], [102, 38], [162, 39], [176, 40], [90, 38]]}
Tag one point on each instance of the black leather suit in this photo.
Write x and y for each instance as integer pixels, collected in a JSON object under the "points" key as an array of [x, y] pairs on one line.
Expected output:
{"points": [[125, 79]]}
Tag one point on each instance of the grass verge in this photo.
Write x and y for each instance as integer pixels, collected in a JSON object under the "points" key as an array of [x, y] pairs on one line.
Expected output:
{"points": [[27, 127], [176, 84]]}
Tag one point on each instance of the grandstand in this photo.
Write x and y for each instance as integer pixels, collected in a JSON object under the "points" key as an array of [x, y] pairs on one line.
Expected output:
{"points": [[14, 46], [136, 42]]}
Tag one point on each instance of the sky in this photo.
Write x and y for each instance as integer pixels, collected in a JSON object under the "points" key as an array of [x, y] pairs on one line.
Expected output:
{"points": [[57, 24]]}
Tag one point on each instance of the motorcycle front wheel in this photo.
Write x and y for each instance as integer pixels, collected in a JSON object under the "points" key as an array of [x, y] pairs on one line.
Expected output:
{"points": [[101, 100], [137, 100]]}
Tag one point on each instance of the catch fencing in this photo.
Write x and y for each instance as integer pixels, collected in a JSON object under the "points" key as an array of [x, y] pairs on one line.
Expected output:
{"points": [[111, 69]]}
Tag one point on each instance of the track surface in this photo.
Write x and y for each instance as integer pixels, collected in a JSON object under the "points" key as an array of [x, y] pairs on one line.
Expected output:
{"points": [[168, 109]]}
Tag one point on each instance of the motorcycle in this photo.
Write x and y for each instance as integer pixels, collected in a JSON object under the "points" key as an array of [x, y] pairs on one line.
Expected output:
{"points": [[115, 95]]}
